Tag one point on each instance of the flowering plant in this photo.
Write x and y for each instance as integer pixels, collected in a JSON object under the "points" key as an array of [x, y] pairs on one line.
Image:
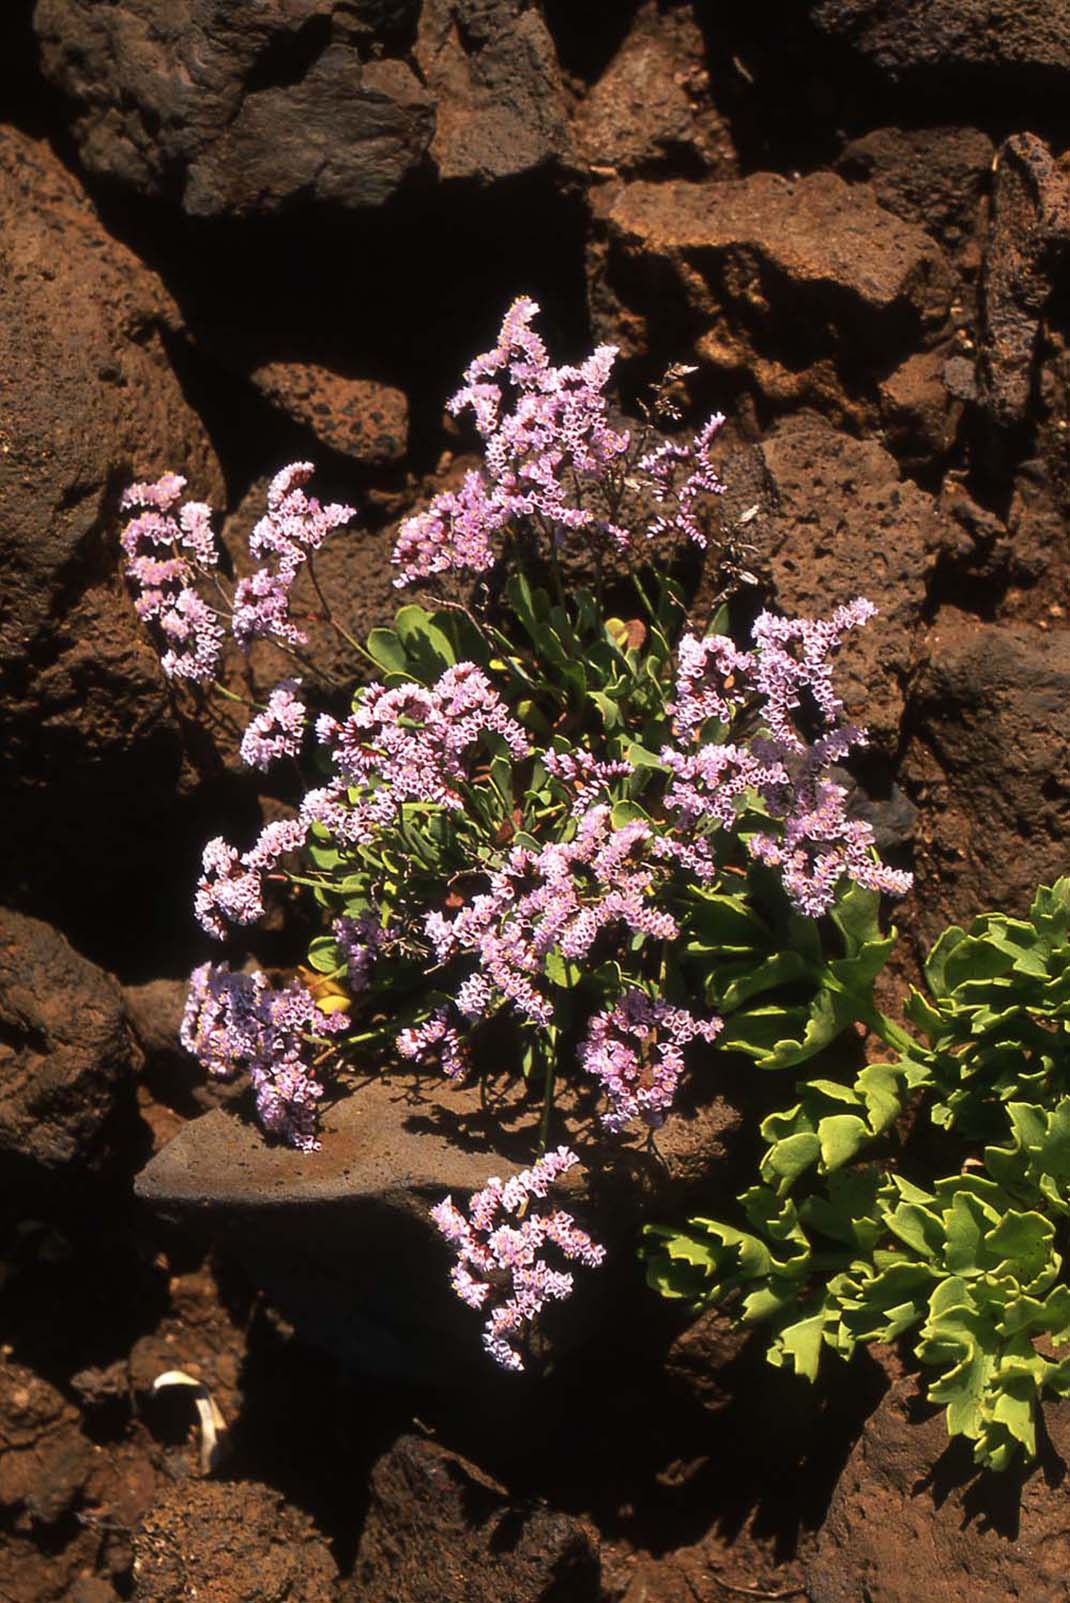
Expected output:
{"points": [[560, 817]]}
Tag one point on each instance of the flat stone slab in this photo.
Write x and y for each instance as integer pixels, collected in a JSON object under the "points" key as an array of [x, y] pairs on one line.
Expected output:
{"points": [[386, 1141], [342, 1239]]}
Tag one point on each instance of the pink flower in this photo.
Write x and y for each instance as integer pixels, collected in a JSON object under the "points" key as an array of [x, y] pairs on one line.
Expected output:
{"points": [[501, 1268]]}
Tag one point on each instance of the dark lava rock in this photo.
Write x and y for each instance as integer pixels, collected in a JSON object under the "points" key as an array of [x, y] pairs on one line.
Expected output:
{"points": [[785, 284], [844, 523], [1013, 43], [230, 1543], [1029, 232], [491, 69], [439, 1531], [237, 108], [987, 764], [66, 1054], [910, 1519], [933, 177], [650, 111]]}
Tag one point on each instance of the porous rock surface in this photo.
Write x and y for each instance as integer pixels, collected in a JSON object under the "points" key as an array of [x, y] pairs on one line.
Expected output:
{"points": [[440, 1531], [230, 1543], [788, 280], [210, 100], [908, 1520], [66, 1053], [91, 402], [248, 109], [988, 760], [1024, 44]]}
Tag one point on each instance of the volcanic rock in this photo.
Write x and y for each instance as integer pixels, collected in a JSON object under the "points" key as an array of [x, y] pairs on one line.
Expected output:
{"points": [[787, 284], [342, 1239], [1021, 44], [1028, 236], [650, 111], [911, 1519], [491, 68], [359, 418], [45, 1459], [841, 522], [91, 748], [987, 763], [439, 1531], [66, 1055], [237, 109], [238, 1543], [932, 177]]}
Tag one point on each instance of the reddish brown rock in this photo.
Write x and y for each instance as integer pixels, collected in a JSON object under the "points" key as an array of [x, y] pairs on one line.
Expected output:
{"points": [[921, 414], [91, 748], [987, 764], [439, 1531], [841, 522], [66, 1054], [908, 1520], [784, 284], [239, 109], [230, 1543], [359, 418], [1029, 233], [44, 1458], [650, 111]]}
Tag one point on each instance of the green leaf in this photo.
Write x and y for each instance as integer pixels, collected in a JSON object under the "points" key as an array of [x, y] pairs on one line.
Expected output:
{"points": [[799, 1346], [389, 653], [427, 648], [841, 1137], [324, 955]]}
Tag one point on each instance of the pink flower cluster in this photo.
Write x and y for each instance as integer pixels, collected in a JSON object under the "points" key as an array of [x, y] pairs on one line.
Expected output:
{"points": [[540, 451], [501, 1268], [636, 1050], [681, 500], [294, 527], [360, 941], [708, 786], [584, 775], [236, 1021], [437, 1038], [277, 731], [793, 661], [710, 682], [789, 671], [558, 899], [820, 845], [165, 554], [408, 744], [231, 887]]}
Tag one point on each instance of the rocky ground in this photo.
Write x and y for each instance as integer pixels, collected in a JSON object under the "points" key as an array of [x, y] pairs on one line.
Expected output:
{"points": [[236, 232]]}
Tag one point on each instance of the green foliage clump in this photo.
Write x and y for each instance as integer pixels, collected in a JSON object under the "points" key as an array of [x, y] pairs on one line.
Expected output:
{"points": [[924, 1198]]}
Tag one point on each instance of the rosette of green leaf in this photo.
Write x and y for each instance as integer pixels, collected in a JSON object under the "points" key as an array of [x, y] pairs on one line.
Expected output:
{"points": [[785, 988], [967, 1266], [997, 1016]]}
